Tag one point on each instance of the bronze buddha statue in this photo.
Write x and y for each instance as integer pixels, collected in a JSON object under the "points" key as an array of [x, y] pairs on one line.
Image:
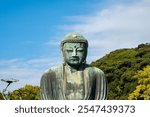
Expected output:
{"points": [[74, 79]]}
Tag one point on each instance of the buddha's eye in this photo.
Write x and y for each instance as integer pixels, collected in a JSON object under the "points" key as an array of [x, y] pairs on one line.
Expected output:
{"points": [[69, 50], [80, 50]]}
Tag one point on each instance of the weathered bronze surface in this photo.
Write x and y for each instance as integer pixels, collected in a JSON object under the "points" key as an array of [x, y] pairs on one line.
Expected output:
{"points": [[74, 79]]}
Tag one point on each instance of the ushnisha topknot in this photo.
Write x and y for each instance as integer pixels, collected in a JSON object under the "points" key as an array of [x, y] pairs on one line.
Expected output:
{"points": [[74, 38]]}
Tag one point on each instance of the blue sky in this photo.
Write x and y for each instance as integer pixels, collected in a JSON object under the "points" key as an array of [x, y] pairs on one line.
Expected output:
{"points": [[31, 31], [27, 24]]}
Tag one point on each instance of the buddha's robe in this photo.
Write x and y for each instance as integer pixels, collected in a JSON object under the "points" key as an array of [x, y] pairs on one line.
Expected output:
{"points": [[61, 83]]}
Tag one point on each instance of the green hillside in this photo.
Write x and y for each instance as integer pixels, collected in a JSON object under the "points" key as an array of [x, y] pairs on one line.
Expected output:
{"points": [[120, 66]]}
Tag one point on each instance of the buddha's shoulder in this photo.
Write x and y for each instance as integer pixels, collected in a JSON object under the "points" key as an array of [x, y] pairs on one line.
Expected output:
{"points": [[94, 69], [53, 69]]}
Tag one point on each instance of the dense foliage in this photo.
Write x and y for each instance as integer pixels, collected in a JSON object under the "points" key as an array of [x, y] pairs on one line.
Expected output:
{"points": [[143, 88], [28, 92], [1, 97], [120, 67]]}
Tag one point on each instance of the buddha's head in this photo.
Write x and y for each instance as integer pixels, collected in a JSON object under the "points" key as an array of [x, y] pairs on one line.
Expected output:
{"points": [[74, 48]]}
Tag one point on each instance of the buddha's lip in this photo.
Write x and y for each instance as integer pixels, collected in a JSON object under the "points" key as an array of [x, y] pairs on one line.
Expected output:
{"points": [[74, 59]]}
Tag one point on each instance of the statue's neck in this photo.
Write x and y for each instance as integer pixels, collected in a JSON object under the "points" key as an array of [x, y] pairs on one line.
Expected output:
{"points": [[75, 68]]}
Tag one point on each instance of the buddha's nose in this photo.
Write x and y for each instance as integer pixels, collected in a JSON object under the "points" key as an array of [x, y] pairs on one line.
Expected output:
{"points": [[74, 52]]}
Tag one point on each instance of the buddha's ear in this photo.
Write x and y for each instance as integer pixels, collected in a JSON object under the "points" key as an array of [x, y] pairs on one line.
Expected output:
{"points": [[84, 61], [86, 52], [63, 55]]}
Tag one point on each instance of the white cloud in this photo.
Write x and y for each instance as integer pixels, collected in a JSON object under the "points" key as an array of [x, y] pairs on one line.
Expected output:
{"points": [[26, 71], [119, 26]]}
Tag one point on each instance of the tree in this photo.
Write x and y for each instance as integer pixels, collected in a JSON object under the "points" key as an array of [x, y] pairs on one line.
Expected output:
{"points": [[120, 66], [142, 90], [28, 92], [1, 97]]}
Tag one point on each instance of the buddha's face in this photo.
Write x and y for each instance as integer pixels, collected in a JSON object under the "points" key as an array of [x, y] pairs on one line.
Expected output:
{"points": [[74, 53]]}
